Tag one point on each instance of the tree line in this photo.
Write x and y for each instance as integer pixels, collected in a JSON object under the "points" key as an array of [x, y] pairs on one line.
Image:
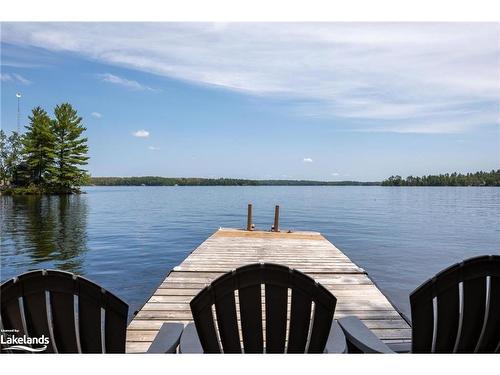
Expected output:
{"points": [[195, 181], [454, 179], [48, 157]]}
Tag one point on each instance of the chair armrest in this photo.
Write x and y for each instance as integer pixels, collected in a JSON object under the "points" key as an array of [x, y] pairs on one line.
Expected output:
{"points": [[336, 343], [190, 343], [401, 347], [167, 339], [360, 337]]}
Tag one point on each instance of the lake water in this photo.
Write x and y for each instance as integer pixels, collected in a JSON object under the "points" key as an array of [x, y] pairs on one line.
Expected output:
{"points": [[128, 238]]}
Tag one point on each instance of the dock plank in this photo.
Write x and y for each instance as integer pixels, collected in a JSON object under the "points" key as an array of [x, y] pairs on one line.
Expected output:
{"points": [[308, 252]]}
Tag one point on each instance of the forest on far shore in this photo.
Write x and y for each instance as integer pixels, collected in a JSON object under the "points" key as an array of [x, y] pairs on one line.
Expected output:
{"points": [[454, 179], [449, 179], [195, 181]]}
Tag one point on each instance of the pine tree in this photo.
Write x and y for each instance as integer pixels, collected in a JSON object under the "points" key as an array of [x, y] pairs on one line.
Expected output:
{"points": [[4, 153], [70, 149], [13, 160], [39, 145]]}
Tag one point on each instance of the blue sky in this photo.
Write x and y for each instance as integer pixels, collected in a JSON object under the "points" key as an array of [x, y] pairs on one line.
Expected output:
{"points": [[327, 101]]}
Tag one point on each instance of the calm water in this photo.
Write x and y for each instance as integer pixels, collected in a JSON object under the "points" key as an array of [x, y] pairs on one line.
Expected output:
{"points": [[128, 238]]}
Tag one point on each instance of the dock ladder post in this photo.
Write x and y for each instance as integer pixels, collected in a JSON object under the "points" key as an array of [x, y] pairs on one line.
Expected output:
{"points": [[249, 218], [276, 226]]}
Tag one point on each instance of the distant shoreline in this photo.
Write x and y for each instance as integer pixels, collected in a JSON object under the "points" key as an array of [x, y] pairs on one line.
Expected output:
{"points": [[194, 181], [470, 179]]}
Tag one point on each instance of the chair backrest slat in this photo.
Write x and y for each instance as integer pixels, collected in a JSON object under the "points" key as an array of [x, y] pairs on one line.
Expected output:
{"points": [[115, 327], [63, 316], [61, 287], [276, 318], [36, 317], [89, 317], [447, 320], [225, 308], [205, 326], [474, 303], [467, 321], [422, 320], [490, 342], [33, 287], [276, 281], [11, 315], [300, 314], [251, 318], [48, 297], [320, 329]]}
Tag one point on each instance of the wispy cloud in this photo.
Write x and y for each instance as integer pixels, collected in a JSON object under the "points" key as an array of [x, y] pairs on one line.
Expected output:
{"points": [[22, 79], [390, 77], [141, 133], [96, 114], [120, 81], [335, 174], [307, 160], [14, 77], [16, 64], [153, 148]]}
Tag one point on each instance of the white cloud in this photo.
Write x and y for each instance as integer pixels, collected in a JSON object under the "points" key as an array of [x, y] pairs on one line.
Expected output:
{"points": [[22, 79], [391, 77], [120, 81], [335, 174], [307, 160], [141, 133], [14, 77], [153, 148], [96, 114]]}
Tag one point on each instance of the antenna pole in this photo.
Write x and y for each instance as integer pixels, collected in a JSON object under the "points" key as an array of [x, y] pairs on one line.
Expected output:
{"points": [[18, 95]]}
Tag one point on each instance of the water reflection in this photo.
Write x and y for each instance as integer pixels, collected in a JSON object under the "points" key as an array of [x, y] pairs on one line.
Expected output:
{"points": [[51, 231], [127, 238]]}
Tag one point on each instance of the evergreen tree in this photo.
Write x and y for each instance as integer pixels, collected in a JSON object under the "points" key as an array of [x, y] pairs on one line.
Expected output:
{"points": [[39, 145], [13, 157], [4, 152], [70, 149]]}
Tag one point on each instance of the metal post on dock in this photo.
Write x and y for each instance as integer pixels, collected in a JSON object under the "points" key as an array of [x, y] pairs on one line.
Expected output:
{"points": [[276, 226], [249, 217]]}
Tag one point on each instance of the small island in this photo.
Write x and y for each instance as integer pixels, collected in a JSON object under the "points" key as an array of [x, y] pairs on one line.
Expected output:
{"points": [[47, 158]]}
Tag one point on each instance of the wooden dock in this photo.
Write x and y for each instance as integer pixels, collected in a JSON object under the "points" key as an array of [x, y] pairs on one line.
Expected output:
{"points": [[308, 252]]}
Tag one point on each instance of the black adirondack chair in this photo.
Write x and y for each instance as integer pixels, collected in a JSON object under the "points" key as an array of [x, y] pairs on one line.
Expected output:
{"points": [[308, 327], [457, 311], [76, 315]]}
